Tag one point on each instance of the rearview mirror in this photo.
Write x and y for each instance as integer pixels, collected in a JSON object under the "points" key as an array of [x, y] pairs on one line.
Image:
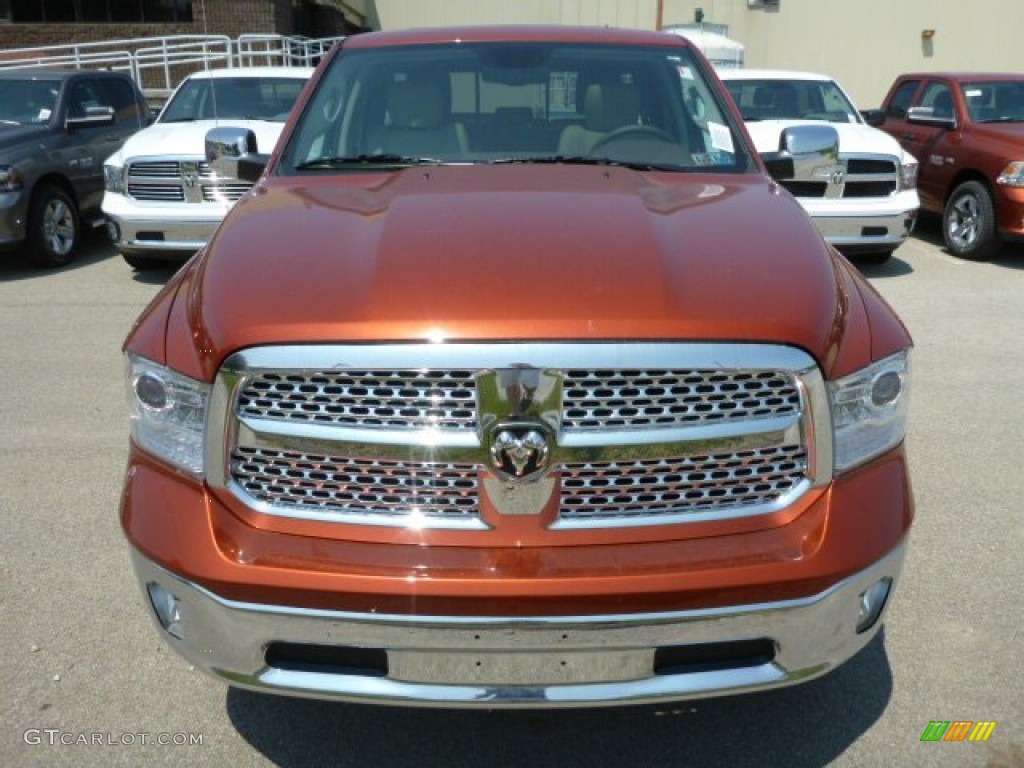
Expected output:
{"points": [[233, 153], [927, 116], [94, 116], [808, 152], [873, 117]]}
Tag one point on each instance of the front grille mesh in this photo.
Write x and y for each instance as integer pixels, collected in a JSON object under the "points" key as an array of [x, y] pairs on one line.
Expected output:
{"points": [[684, 485], [602, 400], [366, 399], [358, 487], [593, 400]]}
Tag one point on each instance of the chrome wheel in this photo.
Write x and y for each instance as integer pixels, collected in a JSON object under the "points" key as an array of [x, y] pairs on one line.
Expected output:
{"points": [[53, 227], [59, 227], [969, 225]]}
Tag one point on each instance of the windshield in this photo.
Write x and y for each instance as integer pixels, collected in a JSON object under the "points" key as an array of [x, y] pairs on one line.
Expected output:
{"points": [[24, 102], [645, 107], [239, 98], [774, 99], [995, 102]]}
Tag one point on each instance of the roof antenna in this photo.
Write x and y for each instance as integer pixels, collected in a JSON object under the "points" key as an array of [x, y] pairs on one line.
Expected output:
{"points": [[206, 60]]}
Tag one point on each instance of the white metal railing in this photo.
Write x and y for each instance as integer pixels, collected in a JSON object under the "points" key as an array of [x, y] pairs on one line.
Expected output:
{"points": [[277, 50], [159, 63]]}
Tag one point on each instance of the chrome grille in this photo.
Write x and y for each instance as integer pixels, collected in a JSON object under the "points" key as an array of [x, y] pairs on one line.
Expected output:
{"points": [[161, 181], [864, 176], [375, 399], [602, 400], [225, 192], [160, 169], [682, 485], [331, 484], [163, 193], [674, 432], [594, 400]]}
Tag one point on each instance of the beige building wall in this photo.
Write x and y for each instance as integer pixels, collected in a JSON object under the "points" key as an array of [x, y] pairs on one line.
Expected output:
{"points": [[865, 43], [398, 14], [862, 43]]}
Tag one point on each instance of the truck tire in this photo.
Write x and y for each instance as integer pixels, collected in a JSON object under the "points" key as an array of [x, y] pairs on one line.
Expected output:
{"points": [[969, 222], [53, 227]]}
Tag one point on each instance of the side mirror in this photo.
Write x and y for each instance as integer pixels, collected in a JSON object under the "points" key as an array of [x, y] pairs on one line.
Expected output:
{"points": [[807, 152], [873, 117], [233, 153], [94, 116], [927, 116]]}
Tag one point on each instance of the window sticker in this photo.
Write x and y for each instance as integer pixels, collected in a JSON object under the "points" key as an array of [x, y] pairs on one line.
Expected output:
{"points": [[721, 138]]}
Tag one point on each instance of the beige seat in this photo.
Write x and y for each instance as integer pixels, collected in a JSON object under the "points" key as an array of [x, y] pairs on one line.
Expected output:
{"points": [[606, 107], [417, 123]]}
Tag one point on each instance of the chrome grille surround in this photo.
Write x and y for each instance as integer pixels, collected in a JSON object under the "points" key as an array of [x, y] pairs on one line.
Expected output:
{"points": [[420, 462], [162, 180]]}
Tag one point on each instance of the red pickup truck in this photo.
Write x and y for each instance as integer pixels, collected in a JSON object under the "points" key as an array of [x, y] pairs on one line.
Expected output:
{"points": [[517, 382], [967, 131]]}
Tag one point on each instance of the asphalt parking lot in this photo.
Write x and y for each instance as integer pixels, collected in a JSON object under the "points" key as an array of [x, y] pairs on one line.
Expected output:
{"points": [[83, 663]]}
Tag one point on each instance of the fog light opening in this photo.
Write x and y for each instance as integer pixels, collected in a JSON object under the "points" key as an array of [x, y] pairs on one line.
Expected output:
{"points": [[167, 609], [872, 602]]}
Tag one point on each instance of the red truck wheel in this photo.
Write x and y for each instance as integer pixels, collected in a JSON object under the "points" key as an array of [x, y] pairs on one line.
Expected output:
{"points": [[969, 223]]}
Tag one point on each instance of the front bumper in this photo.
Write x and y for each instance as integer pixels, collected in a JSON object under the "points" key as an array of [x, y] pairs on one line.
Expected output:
{"points": [[875, 233], [152, 228], [13, 219], [864, 224], [495, 662], [1010, 213]]}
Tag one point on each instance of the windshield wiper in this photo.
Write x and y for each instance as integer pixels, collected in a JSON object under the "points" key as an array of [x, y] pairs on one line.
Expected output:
{"points": [[582, 160], [1003, 120], [355, 160], [179, 120]]}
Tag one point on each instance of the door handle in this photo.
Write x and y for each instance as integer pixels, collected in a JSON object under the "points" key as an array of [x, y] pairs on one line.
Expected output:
{"points": [[908, 137]]}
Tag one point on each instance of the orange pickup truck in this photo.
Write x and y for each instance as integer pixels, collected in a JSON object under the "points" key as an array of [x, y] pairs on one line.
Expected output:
{"points": [[516, 381], [967, 131]]}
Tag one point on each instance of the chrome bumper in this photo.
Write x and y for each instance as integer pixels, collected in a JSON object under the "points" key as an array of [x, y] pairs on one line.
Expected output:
{"points": [[160, 234], [868, 233], [494, 662]]}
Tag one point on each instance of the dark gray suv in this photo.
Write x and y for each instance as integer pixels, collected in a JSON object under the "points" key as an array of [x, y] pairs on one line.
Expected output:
{"points": [[56, 129]]}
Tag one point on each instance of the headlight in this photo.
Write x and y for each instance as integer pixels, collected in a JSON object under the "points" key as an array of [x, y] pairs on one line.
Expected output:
{"points": [[908, 175], [168, 413], [869, 410], [1012, 175], [10, 179], [113, 178]]}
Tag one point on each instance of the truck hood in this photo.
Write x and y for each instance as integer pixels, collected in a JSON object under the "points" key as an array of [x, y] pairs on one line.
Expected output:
{"points": [[14, 135], [513, 253], [189, 139], [853, 137]]}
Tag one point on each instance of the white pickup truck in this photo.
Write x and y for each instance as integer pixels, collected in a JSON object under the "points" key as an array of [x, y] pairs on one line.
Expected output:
{"points": [[162, 200], [865, 201]]}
